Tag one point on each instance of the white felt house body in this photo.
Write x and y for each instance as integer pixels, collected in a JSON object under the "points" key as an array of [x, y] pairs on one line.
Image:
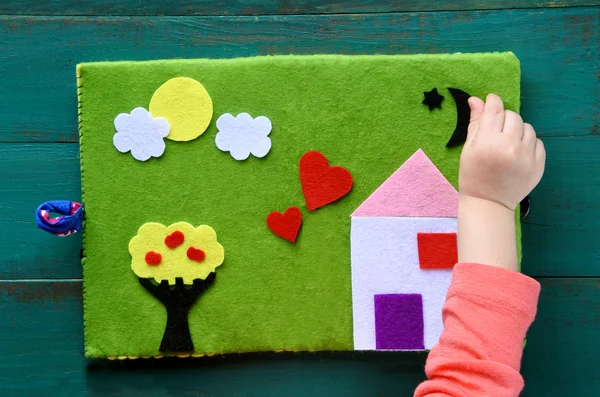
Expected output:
{"points": [[387, 277]]}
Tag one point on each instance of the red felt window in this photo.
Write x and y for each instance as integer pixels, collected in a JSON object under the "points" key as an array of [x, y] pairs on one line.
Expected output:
{"points": [[437, 250]]}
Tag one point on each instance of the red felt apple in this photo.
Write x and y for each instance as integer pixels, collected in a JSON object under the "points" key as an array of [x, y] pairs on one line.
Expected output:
{"points": [[321, 183], [153, 258], [285, 225], [195, 254], [174, 239]]}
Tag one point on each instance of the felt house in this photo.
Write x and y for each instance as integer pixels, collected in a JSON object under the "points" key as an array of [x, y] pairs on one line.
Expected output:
{"points": [[403, 248]]}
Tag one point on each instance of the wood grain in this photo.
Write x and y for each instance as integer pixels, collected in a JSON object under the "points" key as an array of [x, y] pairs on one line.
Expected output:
{"points": [[31, 174], [560, 235], [561, 356], [564, 217], [557, 49], [42, 354], [262, 7]]}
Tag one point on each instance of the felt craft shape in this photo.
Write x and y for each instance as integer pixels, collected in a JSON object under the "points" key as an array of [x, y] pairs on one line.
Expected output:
{"points": [[385, 260], [525, 206], [141, 134], [179, 259], [463, 117], [153, 258], [242, 135], [437, 250], [418, 220], [362, 112], [174, 239], [286, 225], [196, 254], [416, 189], [433, 99], [322, 184], [177, 299], [186, 105], [179, 279], [399, 322]]}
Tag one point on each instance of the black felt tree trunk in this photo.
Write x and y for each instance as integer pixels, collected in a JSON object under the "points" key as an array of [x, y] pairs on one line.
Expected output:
{"points": [[178, 300]]}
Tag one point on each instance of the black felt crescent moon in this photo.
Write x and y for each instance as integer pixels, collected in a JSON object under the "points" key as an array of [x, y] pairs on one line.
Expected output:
{"points": [[525, 206], [463, 117]]}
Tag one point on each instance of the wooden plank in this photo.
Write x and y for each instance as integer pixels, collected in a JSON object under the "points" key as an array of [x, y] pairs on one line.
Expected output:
{"points": [[343, 374], [30, 175], [262, 7], [559, 235], [42, 354], [561, 356], [557, 48]]}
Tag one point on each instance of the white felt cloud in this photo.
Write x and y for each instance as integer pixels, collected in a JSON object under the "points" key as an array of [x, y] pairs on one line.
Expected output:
{"points": [[141, 134], [243, 135]]}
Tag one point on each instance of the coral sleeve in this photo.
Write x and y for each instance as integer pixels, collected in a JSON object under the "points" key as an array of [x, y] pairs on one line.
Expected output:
{"points": [[486, 315]]}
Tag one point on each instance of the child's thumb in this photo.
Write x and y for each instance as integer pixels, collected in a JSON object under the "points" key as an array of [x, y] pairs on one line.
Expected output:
{"points": [[477, 105]]}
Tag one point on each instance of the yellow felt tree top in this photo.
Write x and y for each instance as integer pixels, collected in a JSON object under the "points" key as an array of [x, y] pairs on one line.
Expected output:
{"points": [[176, 251]]}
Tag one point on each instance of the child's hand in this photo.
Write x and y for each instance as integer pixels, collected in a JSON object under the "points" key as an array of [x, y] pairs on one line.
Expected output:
{"points": [[502, 160]]}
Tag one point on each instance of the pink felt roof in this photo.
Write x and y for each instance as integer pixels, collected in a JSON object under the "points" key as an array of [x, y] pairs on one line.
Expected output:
{"points": [[416, 189]]}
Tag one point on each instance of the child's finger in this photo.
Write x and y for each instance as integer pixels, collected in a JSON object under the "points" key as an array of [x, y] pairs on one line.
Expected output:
{"points": [[540, 151], [513, 125], [492, 119], [540, 158], [529, 136], [476, 105]]}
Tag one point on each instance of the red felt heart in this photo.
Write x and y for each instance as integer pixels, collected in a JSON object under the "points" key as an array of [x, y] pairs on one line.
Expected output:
{"points": [[196, 254], [174, 239], [285, 225], [321, 183]]}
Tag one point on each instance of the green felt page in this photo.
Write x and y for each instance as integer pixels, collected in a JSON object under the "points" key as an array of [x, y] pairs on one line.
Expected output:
{"points": [[362, 112]]}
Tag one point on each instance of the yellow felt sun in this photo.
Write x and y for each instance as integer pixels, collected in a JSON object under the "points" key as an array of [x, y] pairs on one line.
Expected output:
{"points": [[177, 251], [186, 105]]}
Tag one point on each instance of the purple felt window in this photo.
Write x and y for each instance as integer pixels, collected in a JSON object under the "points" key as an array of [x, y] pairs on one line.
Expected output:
{"points": [[399, 322]]}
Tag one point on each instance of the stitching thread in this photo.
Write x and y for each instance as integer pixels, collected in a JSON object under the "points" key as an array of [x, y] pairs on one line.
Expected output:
{"points": [[81, 168]]}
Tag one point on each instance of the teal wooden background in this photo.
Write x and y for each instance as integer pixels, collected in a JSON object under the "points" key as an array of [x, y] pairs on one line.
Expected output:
{"points": [[41, 338]]}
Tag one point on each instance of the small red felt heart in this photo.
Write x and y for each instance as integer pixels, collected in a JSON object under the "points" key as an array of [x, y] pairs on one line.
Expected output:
{"points": [[174, 239], [285, 225], [196, 254], [321, 183]]}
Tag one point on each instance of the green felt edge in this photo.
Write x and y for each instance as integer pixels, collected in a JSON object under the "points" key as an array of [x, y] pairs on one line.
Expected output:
{"points": [[83, 234], [269, 58], [516, 106]]}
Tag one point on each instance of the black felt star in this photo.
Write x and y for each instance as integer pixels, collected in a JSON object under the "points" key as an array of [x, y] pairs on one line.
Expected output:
{"points": [[433, 99]]}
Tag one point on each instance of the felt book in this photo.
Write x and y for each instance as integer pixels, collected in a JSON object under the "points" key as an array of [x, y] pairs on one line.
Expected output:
{"points": [[276, 203]]}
